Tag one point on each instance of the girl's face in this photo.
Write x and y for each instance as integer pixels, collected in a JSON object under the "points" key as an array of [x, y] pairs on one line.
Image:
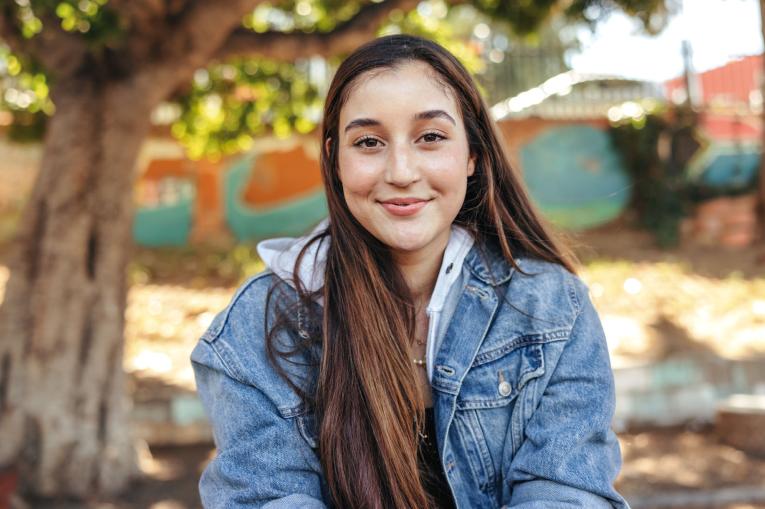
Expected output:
{"points": [[403, 157]]}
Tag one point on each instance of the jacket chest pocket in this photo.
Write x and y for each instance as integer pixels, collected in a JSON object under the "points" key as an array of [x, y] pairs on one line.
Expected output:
{"points": [[497, 376], [484, 406]]}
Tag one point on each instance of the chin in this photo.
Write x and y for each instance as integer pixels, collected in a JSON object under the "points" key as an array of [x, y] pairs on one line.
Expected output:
{"points": [[411, 241], [408, 247]]}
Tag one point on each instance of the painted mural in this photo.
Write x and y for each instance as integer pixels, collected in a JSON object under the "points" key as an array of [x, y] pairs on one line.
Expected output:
{"points": [[572, 172], [274, 190], [167, 196], [273, 194], [575, 176]]}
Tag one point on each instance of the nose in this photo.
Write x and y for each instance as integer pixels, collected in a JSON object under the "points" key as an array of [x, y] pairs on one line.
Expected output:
{"points": [[401, 169]]}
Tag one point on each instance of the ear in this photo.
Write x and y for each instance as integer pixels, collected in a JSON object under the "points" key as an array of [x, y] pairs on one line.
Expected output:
{"points": [[471, 165], [327, 144]]}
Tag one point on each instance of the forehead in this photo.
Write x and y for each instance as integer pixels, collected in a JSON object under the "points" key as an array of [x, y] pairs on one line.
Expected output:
{"points": [[411, 86]]}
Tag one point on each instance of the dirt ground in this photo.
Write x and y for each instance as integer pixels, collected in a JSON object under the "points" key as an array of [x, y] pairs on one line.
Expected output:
{"points": [[679, 459], [655, 303], [655, 461], [170, 482]]}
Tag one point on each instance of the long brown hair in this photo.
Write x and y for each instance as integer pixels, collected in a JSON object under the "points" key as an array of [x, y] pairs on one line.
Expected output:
{"points": [[367, 403]]}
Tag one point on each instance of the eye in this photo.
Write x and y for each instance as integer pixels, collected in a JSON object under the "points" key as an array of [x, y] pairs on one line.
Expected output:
{"points": [[367, 142], [432, 137]]}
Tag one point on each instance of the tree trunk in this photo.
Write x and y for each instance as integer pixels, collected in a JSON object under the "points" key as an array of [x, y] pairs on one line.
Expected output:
{"points": [[63, 407]]}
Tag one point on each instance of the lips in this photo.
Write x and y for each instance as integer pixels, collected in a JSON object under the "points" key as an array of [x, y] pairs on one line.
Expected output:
{"points": [[404, 206], [404, 201]]}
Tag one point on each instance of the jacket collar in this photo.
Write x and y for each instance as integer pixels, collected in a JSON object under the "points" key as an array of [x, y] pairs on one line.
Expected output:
{"points": [[486, 262], [280, 255]]}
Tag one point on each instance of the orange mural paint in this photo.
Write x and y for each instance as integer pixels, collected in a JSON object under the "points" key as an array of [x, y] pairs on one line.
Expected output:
{"points": [[280, 176]]}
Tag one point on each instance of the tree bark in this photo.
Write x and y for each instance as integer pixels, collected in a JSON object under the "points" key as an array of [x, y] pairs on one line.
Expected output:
{"points": [[63, 408]]}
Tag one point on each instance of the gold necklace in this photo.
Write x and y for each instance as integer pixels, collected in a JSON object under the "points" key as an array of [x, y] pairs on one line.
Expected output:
{"points": [[421, 361]]}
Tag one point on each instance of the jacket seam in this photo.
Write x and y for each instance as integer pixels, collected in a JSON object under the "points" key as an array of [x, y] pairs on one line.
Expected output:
{"points": [[519, 342], [483, 448], [226, 368], [216, 333], [573, 296], [467, 436], [286, 412]]}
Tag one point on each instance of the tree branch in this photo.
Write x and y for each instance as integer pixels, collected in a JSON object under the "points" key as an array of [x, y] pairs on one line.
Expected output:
{"points": [[60, 52], [346, 37], [139, 13], [147, 23], [189, 42], [9, 30], [149, 18]]}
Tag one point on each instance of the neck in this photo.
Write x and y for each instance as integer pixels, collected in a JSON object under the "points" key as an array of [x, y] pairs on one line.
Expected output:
{"points": [[420, 270]]}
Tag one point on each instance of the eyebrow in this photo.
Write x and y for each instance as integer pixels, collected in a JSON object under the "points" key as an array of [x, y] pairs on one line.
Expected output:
{"points": [[423, 115]]}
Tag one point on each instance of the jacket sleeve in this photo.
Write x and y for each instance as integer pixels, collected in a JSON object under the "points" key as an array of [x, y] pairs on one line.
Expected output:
{"points": [[262, 460], [570, 457]]}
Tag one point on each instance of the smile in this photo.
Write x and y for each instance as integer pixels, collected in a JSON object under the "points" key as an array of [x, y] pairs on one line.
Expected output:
{"points": [[404, 206]]}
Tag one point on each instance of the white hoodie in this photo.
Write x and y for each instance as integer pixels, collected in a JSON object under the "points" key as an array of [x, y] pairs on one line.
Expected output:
{"points": [[280, 255]]}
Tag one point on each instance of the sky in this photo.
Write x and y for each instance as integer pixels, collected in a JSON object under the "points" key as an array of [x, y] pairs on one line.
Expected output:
{"points": [[718, 30]]}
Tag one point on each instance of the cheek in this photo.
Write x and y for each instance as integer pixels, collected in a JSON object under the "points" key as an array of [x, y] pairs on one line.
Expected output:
{"points": [[455, 196], [358, 177], [448, 172]]}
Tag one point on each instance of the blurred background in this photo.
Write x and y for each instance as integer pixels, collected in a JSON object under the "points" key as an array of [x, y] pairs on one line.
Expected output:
{"points": [[161, 139]]}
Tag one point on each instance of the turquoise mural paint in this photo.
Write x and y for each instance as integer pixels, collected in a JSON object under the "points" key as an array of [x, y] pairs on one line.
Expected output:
{"points": [[186, 409], [739, 380], [648, 405], [583, 216], [167, 225], [726, 164], [575, 176], [248, 222], [676, 373]]}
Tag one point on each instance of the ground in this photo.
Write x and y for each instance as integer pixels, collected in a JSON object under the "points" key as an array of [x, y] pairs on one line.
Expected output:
{"points": [[654, 461], [652, 303]]}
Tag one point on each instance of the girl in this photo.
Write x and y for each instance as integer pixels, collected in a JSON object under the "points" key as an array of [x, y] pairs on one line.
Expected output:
{"points": [[429, 344]]}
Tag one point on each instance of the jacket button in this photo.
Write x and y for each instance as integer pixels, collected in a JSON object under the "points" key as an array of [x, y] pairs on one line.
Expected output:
{"points": [[505, 388]]}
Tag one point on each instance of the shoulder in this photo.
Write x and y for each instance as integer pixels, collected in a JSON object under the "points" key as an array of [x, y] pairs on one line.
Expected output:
{"points": [[235, 341], [247, 305], [537, 287], [550, 282]]}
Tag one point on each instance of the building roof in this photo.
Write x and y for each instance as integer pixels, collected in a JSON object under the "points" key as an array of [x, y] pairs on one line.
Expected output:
{"points": [[576, 95]]}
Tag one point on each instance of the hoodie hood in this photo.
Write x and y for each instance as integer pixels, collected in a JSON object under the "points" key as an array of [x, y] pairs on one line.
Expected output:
{"points": [[280, 255]]}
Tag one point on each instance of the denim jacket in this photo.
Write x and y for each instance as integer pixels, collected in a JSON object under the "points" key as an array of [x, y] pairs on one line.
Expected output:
{"points": [[523, 397]]}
